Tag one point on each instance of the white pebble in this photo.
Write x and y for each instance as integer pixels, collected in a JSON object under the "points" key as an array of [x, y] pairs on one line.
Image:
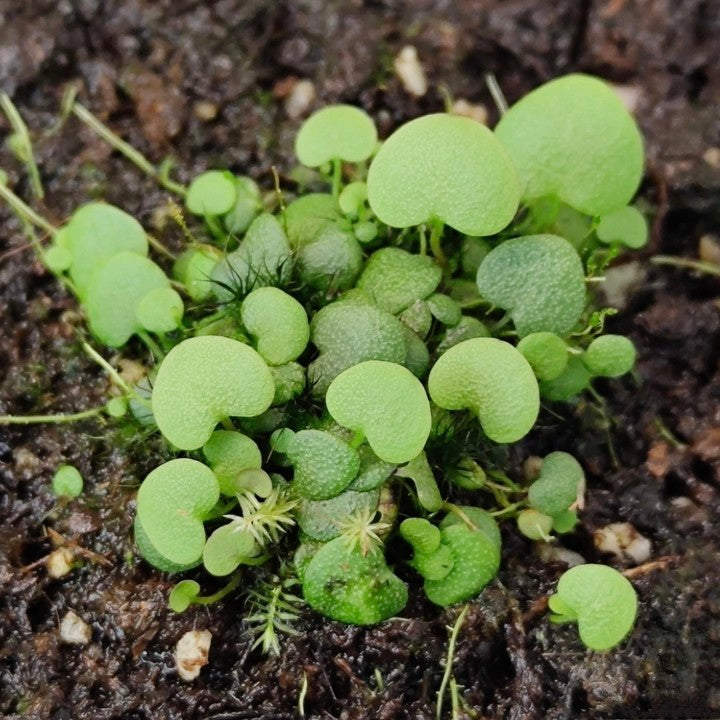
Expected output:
{"points": [[299, 99], [623, 540], [74, 630], [629, 96], [59, 562], [467, 109], [410, 71], [191, 653]]}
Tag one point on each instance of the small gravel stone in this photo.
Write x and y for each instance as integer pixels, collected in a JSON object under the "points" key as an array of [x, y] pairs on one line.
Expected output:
{"points": [[74, 630], [299, 99], [191, 653], [477, 112], [623, 540], [59, 563], [410, 71]]}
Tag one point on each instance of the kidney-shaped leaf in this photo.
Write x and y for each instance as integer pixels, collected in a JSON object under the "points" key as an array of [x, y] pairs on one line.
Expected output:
{"points": [[539, 280], [387, 404], [129, 294], [324, 464], [172, 503], [204, 380], [448, 168], [348, 332], [572, 138], [556, 489], [337, 132], [95, 233], [491, 378], [395, 278], [345, 585], [600, 600], [277, 322]]}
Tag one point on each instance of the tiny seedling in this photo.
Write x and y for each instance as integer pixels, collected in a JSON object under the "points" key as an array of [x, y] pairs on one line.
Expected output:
{"points": [[297, 343], [539, 280], [337, 132], [278, 324], [600, 600], [445, 169], [385, 404], [67, 482], [205, 380], [493, 380], [573, 139]]}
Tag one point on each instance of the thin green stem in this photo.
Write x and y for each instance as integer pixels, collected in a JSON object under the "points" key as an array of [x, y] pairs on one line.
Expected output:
{"points": [[133, 155], [54, 419], [497, 94], [24, 211], [436, 233], [115, 375], [450, 658], [697, 265], [422, 231], [151, 345], [302, 695], [220, 594], [507, 510], [22, 134], [336, 177], [160, 247]]}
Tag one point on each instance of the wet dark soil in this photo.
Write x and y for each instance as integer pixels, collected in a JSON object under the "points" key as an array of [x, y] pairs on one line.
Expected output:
{"points": [[652, 455]]}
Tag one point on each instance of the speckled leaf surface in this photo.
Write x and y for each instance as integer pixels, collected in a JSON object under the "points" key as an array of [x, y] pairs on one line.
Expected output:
{"points": [[539, 280], [573, 138], [324, 465], [448, 168], [95, 233], [340, 132], [394, 278], [387, 404], [345, 585], [491, 378], [171, 506], [278, 324], [349, 332], [204, 380], [603, 601]]}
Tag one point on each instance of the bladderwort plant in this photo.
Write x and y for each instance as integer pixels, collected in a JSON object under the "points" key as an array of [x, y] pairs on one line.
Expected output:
{"points": [[340, 363]]}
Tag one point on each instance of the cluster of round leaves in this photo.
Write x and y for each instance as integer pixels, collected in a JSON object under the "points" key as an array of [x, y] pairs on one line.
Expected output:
{"points": [[103, 251], [335, 346]]}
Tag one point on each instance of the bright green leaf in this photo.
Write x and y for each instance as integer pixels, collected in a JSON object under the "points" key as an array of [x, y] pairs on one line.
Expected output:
{"points": [[491, 378], [448, 168], [387, 404], [204, 380]]}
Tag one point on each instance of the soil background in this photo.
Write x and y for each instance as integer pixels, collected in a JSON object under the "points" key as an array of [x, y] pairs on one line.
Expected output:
{"points": [[206, 82]]}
